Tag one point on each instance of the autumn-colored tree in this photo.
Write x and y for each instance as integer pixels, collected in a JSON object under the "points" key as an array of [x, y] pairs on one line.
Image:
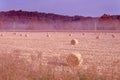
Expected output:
{"points": [[105, 17]]}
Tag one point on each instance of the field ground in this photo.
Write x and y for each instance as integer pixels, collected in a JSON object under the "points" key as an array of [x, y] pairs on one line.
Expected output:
{"points": [[100, 53]]}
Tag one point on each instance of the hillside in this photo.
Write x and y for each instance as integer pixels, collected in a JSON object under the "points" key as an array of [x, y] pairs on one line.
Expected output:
{"points": [[24, 20]]}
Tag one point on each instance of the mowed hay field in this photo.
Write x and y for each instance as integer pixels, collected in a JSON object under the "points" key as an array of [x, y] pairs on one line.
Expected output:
{"points": [[43, 56]]}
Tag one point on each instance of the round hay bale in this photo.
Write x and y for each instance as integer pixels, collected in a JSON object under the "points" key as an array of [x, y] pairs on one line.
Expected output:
{"points": [[26, 35], [70, 34], [74, 41], [73, 60], [97, 37], [14, 33], [20, 34], [1, 34], [83, 34], [48, 35], [113, 36]]}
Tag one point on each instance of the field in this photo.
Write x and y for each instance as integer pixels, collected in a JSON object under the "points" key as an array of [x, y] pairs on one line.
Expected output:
{"points": [[42, 56]]}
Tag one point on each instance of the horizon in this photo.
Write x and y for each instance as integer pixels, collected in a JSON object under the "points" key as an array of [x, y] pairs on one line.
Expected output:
{"points": [[69, 8], [57, 14]]}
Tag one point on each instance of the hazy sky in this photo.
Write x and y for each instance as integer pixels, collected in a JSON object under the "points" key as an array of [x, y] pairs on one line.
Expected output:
{"points": [[65, 7]]}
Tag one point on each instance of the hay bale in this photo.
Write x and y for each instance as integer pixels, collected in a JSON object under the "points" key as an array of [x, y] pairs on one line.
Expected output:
{"points": [[83, 34], [97, 37], [20, 34], [113, 36], [73, 60], [26, 35], [14, 33], [1, 34], [70, 34], [48, 35], [74, 41]]}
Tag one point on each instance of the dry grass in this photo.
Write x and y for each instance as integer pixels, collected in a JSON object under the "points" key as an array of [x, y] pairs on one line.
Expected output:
{"points": [[24, 59], [14, 67]]}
